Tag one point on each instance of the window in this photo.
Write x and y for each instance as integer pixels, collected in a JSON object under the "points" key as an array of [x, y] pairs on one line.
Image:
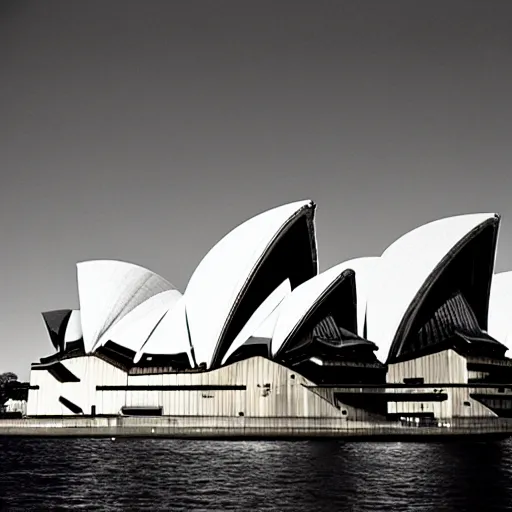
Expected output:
{"points": [[142, 411], [414, 381]]}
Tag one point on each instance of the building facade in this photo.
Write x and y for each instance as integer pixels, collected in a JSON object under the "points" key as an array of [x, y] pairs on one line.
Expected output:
{"points": [[259, 332]]}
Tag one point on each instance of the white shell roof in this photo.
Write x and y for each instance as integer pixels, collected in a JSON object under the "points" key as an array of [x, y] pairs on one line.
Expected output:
{"points": [[133, 330], [54, 322], [215, 286], [296, 306], [365, 269], [500, 308], [403, 268], [74, 327], [170, 336], [108, 290], [267, 328], [259, 316]]}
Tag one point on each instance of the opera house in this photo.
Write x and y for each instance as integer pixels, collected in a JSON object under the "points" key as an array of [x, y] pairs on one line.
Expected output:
{"points": [[415, 336]]}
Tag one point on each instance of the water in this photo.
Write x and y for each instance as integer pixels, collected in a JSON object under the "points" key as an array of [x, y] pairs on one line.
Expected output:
{"points": [[161, 474]]}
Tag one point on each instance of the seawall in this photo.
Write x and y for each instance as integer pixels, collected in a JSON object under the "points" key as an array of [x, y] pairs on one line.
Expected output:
{"points": [[246, 428]]}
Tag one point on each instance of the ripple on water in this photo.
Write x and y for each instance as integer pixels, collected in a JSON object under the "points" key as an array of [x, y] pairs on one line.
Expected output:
{"points": [[162, 474]]}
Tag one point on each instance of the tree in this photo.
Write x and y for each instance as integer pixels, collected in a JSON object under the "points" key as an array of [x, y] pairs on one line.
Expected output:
{"points": [[8, 381], [7, 377]]}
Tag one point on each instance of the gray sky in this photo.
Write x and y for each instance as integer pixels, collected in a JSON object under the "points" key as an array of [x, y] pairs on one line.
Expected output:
{"points": [[144, 131]]}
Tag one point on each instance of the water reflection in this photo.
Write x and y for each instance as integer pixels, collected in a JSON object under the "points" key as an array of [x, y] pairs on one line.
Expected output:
{"points": [[158, 474]]}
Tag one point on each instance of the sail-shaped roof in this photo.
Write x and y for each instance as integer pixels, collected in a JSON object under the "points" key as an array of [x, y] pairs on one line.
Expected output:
{"points": [[304, 300], [108, 290], [56, 323], [170, 336], [133, 330], [365, 269], [259, 317], [500, 308], [241, 270], [411, 266], [74, 327]]}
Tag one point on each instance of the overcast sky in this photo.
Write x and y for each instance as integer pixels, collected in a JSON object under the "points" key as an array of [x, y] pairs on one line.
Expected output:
{"points": [[144, 131]]}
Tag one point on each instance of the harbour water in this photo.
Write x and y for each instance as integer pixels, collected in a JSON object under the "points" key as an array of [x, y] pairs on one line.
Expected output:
{"points": [[165, 474]]}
